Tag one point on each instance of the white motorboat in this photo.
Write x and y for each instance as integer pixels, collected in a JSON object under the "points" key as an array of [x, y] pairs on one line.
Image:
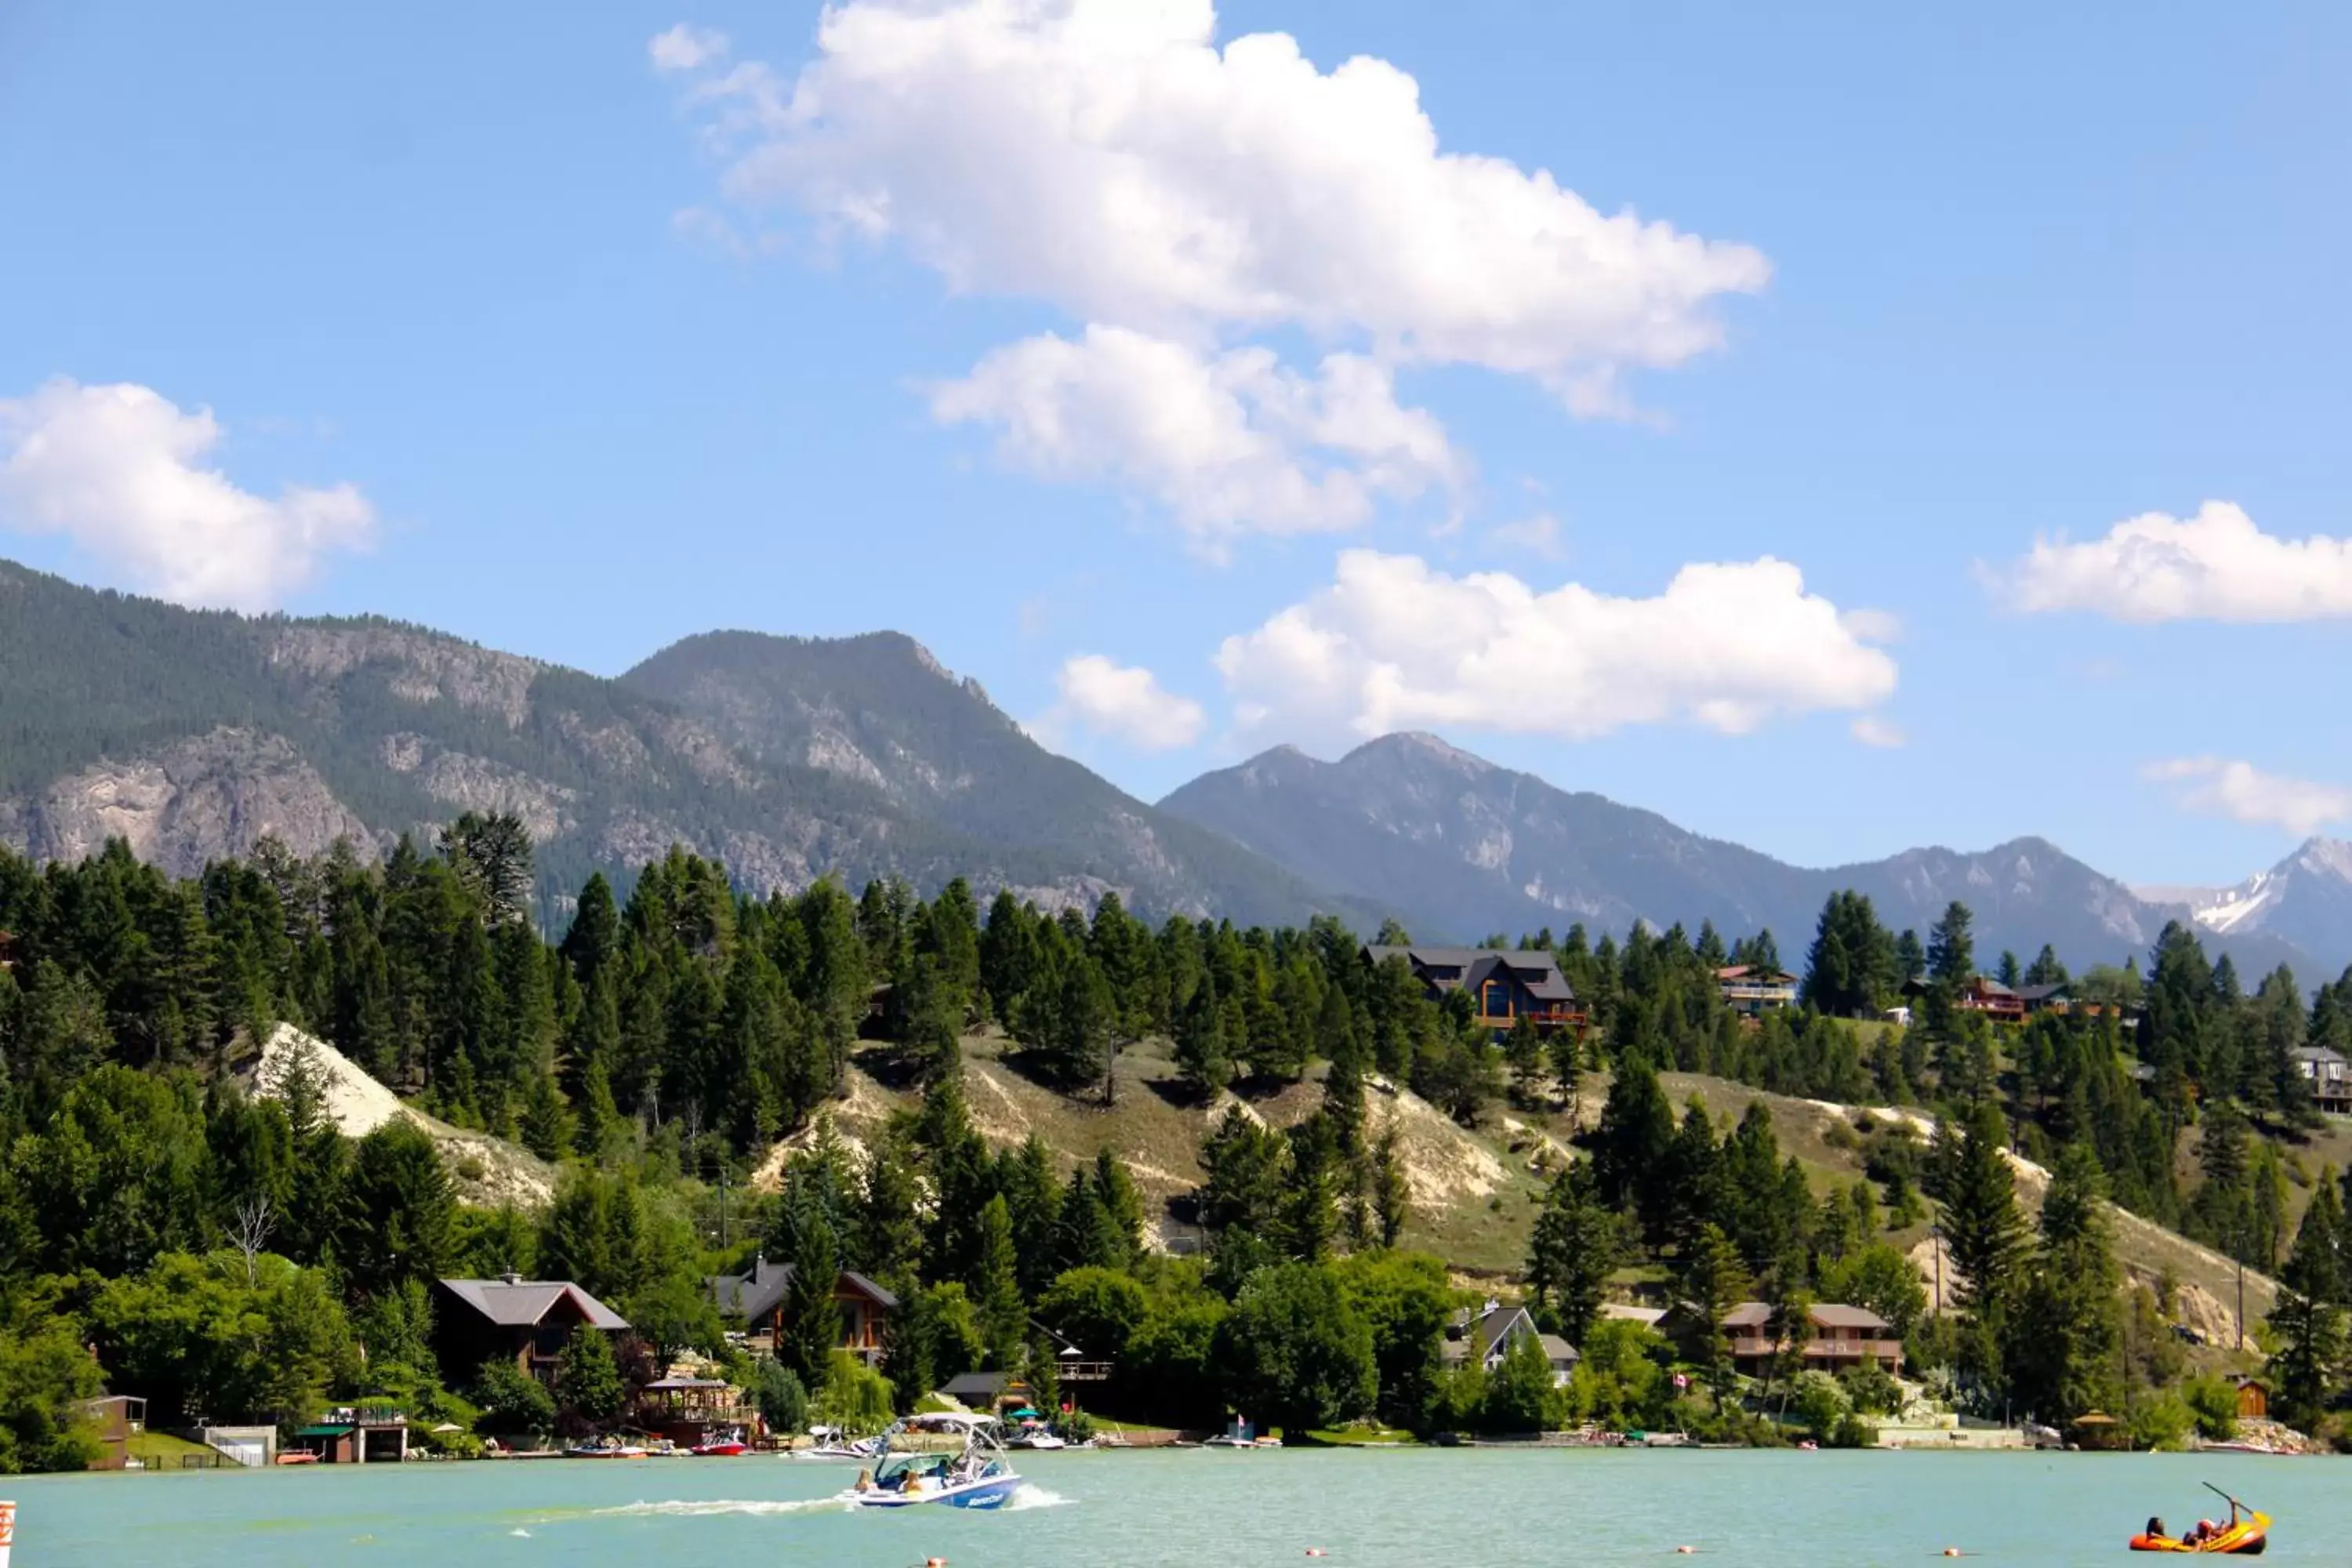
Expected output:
{"points": [[978, 1477], [1035, 1435], [832, 1443]]}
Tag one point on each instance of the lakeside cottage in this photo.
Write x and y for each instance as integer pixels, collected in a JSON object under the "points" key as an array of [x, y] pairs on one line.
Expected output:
{"points": [[1488, 1334], [757, 1296], [1839, 1337], [527, 1321], [1504, 984]]}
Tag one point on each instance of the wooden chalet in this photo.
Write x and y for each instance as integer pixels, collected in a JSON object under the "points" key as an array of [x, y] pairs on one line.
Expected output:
{"points": [[1840, 1337], [527, 1321], [1749, 990], [2323, 1069], [757, 1296], [1980, 993], [1505, 984]]}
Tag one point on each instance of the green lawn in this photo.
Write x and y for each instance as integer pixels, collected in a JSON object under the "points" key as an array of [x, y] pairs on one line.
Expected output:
{"points": [[161, 1451]]}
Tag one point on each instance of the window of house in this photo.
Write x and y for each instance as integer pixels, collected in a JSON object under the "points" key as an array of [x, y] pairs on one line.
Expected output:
{"points": [[1497, 1003]]}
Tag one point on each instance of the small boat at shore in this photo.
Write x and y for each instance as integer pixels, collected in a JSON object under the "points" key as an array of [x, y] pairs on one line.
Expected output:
{"points": [[1035, 1435], [1240, 1435], [611, 1449], [833, 1444]]}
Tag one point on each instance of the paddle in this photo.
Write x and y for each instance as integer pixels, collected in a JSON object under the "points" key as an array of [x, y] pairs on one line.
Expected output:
{"points": [[2234, 1504]]}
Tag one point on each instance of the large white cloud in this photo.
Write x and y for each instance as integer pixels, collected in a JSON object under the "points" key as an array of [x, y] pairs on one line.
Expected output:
{"points": [[2215, 566], [2244, 792], [1110, 158], [1106, 155], [1230, 443], [1393, 644], [118, 470], [1124, 701]]}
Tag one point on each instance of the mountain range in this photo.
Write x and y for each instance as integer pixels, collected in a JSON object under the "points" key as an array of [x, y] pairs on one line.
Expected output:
{"points": [[193, 734]]}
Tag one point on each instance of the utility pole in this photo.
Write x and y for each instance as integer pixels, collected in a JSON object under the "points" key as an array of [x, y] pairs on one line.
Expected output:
{"points": [[2241, 1250]]}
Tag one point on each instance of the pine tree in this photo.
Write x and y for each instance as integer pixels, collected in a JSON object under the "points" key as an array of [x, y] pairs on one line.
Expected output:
{"points": [[1203, 1059], [1523, 1049], [996, 1286], [2070, 1321], [2309, 1318], [589, 1392], [812, 1328], [1985, 1234], [1714, 1282], [1391, 1193], [1576, 1244]]}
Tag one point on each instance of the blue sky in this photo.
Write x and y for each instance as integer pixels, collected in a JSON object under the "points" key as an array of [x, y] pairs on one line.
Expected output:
{"points": [[504, 327]]}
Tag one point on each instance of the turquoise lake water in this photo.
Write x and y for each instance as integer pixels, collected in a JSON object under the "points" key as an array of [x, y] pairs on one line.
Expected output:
{"points": [[1194, 1508]]}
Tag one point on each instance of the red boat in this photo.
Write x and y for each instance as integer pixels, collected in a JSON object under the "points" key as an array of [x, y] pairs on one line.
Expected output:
{"points": [[722, 1448]]}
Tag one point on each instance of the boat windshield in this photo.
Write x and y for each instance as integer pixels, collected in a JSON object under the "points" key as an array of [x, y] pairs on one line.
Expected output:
{"points": [[907, 1465]]}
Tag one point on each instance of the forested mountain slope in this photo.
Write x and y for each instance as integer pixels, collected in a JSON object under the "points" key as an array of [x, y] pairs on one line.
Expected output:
{"points": [[193, 734]]}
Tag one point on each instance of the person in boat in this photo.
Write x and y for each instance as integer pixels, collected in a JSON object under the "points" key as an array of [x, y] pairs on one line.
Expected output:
{"points": [[2205, 1530], [2156, 1531]]}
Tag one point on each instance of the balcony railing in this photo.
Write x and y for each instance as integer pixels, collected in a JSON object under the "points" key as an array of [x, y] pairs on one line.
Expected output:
{"points": [[1819, 1348]]}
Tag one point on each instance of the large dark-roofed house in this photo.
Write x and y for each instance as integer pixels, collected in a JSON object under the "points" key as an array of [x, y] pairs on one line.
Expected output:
{"points": [[527, 1321], [756, 1300], [1504, 984]]}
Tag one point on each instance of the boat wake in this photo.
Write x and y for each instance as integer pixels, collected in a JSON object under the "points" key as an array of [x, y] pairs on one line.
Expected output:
{"points": [[710, 1508], [1029, 1495]]}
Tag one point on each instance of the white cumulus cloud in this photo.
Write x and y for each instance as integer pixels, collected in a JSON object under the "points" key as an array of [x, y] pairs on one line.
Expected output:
{"points": [[1107, 156], [1393, 645], [2214, 566], [1123, 701], [1113, 158], [1228, 443], [2239, 790], [118, 470], [685, 48]]}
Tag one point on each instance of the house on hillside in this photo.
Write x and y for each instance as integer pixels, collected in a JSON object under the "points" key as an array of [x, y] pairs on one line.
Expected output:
{"points": [[756, 1299], [527, 1321], [1504, 984], [1748, 989], [1839, 1337], [1488, 1334], [2324, 1070], [1980, 993]]}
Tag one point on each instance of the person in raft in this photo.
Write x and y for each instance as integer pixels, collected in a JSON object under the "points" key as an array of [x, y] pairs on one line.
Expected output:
{"points": [[2155, 1528]]}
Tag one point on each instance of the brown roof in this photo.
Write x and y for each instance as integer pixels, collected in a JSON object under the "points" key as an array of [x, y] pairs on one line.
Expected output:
{"points": [[521, 1303], [1824, 1314]]}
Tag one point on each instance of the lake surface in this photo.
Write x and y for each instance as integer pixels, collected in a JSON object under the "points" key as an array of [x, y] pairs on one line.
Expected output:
{"points": [[1194, 1508]]}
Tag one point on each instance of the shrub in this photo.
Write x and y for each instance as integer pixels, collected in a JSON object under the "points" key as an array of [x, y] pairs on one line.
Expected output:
{"points": [[513, 1402], [2213, 1404]]}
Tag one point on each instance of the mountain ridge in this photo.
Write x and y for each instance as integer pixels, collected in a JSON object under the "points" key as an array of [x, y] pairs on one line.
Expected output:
{"points": [[1491, 849]]}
